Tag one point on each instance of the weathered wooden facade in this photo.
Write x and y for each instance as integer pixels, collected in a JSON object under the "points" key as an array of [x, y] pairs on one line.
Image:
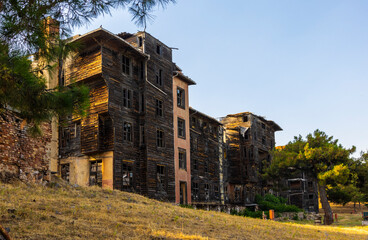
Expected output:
{"points": [[126, 141], [249, 139], [206, 152]]}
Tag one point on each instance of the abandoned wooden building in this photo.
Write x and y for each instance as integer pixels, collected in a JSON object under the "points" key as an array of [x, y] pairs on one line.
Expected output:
{"points": [[207, 153], [250, 139], [141, 135]]}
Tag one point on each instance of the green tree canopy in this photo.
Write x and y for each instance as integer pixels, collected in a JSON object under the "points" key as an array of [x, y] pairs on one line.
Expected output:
{"points": [[319, 156]]}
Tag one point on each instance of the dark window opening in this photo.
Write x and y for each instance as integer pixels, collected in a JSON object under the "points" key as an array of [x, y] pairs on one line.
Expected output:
{"points": [[207, 191], [311, 196], [180, 97], [237, 194], [159, 108], [161, 177], [310, 184], [182, 159], [125, 65], [216, 191], [263, 126], [245, 118], [181, 128], [140, 41], [127, 129], [105, 131], [195, 164], [65, 170], [65, 137], [158, 49], [127, 98], [160, 138], [141, 103], [95, 174], [159, 79], [195, 191], [194, 122], [127, 173], [206, 166]]}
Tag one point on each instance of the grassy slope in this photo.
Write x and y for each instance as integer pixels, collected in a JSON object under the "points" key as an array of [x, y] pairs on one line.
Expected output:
{"points": [[93, 213]]}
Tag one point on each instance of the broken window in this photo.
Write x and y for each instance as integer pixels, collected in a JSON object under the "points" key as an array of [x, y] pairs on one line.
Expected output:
{"points": [[160, 138], [125, 64], [182, 159], [127, 173], [195, 191], [245, 118], [180, 97], [65, 137], [95, 174], [65, 169], [161, 177], [207, 191], [158, 49], [127, 129], [181, 128], [159, 108], [194, 122], [127, 98], [140, 41], [159, 77]]}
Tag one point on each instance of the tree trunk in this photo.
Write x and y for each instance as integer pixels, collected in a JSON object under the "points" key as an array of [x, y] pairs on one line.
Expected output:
{"points": [[325, 205]]}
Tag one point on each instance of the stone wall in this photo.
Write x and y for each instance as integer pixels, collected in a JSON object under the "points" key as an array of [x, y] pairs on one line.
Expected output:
{"points": [[22, 156]]}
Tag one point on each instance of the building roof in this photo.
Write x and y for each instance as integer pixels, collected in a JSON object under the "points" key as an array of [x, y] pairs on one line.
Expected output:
{"points": [[272, 123], [205, 115], [102, 31], [183, 77]]}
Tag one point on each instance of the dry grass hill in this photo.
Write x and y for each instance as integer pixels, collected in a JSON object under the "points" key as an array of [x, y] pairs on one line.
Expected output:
{"points": [[65, 212]]}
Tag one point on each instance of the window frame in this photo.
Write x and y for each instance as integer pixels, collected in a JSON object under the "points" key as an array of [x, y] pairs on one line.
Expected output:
{"points": [[182, 158], [180, 97], [128, 135], [126, 65], [159, 106], [181, 128], [160, 138]]}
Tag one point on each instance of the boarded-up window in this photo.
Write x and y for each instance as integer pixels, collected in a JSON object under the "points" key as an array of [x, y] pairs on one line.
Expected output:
{"points": [[95, 174]]}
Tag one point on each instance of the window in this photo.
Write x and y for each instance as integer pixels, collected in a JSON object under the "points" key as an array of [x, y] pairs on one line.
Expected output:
{"points": [[180, 97], [127, 172], [195, 191], [160, 138], [141, 102], [263, 126], [216, 191], [310, 184], [161, 177], [159, 78], [195, 164], [246, 136], [159, 108], [207, 191], [140, 41], [141, 135], [245, 152], [181, 128], [127, 136], [264, 140], [95, 174], [125, 64], [182, 159], [245, 118], [158, 49], [127, 98], [206, 165], [65, 171], [194, 122], [65, 137], [105, 131]]}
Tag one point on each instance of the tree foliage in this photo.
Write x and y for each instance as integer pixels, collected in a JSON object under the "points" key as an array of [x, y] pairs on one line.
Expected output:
{"points": [[23, 32], [319, 156]]}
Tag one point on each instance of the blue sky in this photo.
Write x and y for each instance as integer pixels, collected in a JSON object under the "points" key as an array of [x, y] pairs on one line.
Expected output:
{"points": [[302, 64]]}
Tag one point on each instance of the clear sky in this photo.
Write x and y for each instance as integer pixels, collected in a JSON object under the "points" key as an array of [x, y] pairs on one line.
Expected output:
{"points": [[302, 64]]}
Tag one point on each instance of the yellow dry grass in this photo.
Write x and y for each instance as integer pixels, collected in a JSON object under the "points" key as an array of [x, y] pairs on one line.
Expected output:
{"points": [[36, 212]]}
